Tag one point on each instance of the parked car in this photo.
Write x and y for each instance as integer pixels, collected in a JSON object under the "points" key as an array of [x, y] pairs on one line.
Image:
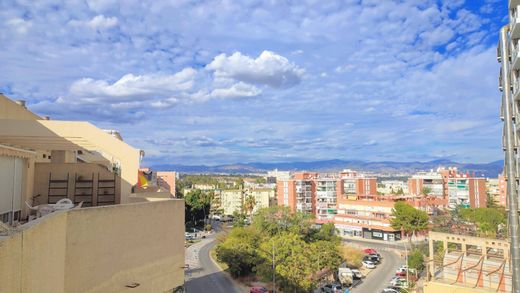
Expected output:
{"points": [[392, 289], [376, 255], [216, 217], [332, 288], [357, 274], [373, 259], [368, 264], [258, 289], [400, 273], [396, 281], [369, 250]]}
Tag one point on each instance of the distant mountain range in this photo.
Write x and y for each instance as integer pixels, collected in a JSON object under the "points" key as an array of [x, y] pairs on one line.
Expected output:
{"points": [[386, 167]]}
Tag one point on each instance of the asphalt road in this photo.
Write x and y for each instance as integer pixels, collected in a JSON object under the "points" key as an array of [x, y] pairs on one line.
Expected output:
{"points": [[204, 275], [380, 277]]}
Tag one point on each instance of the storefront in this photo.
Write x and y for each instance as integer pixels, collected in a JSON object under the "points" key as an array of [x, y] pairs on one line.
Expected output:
{"points": [[381, 235], [351, 231]]}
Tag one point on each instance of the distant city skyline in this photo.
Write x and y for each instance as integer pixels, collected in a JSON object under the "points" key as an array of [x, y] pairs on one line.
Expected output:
{"points": [[224, 82]]}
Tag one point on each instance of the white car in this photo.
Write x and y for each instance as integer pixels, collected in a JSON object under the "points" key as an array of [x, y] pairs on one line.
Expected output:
{"points": [[357, 274], [369, 265], [396, 281]]}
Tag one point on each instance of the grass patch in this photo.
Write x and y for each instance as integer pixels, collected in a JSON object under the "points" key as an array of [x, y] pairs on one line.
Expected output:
{"points": [[213, 255], [353, 255]]}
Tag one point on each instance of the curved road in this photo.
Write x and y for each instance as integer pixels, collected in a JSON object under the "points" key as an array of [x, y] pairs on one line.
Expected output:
{"points": [[380, 277], [203, 274]]}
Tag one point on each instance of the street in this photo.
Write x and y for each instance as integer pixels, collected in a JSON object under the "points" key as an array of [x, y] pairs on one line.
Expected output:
{"points": [[379, 279], [203, 274]]}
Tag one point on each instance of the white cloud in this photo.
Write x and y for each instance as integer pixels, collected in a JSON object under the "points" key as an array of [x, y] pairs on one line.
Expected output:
{"points": [[131, 87], [268, 69], [238, 90], [97, 22], [19, 25]]}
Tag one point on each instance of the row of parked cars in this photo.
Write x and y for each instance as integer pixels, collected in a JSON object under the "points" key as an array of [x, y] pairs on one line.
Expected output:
{"points": [[398, 284], [371, 258]]}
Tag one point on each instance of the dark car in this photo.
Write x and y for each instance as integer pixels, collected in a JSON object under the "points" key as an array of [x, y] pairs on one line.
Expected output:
{"points": [[392, 289], [372, 258], [258, 289], [332, 288]]}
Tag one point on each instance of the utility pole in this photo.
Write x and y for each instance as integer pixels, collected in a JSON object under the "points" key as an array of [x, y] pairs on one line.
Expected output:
{"points": [[274, 272], [511, 153], [407, 268]]}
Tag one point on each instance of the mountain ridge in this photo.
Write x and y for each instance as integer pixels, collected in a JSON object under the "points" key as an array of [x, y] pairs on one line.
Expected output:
{"points": [[491, 169]]}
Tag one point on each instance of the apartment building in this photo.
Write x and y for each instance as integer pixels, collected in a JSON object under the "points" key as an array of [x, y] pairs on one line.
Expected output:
{"points": [[392, 187], [366, 216], [501, 199], [228, 202], [431, 182], [461, 189], [465, 190], [49, 171], [298, 192], [166, 181], [318, 194], [327, 189]]}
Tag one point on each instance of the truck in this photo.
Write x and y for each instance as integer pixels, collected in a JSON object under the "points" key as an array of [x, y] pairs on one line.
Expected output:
{"points": [[345, 275]]}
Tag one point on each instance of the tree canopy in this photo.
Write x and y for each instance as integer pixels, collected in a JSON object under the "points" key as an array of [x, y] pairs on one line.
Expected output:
{"points": [[408, 219], [298, 248], [488, 220]]}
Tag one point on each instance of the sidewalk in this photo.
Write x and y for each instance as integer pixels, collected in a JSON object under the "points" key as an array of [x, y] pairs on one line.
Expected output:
{"points": [[400, 243]]}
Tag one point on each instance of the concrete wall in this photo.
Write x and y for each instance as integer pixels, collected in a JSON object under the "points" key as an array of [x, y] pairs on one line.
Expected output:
{"points": [[60, 171], [434, 287], [100, 249], [11, 110]]}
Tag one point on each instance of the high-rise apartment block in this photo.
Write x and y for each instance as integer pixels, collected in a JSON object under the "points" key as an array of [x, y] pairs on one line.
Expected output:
{"points": [[461, 189], [318, 193]]}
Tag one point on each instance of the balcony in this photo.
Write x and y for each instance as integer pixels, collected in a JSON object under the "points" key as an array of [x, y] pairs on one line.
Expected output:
{"points": [[516, 89], [515, 60], [514, 26]]}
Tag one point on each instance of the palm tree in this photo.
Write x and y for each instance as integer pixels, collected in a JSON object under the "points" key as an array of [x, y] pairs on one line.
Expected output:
{"points": [[249, 204]]}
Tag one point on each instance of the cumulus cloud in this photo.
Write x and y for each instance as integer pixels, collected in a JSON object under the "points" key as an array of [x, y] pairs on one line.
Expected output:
{"points": [[237, 90], [97, 22], [131, 87], [267, 69]]}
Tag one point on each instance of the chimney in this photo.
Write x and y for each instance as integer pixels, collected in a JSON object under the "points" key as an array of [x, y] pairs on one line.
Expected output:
{"points": [[21, 103]]}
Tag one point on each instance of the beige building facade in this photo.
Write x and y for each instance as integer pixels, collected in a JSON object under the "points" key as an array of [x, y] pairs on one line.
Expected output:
{"points": [[104, 238]]}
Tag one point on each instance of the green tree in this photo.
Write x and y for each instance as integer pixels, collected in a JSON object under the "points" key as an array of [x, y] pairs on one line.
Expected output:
{"points": [[426, 190], [491, 202], [327, 232], [277, 219], [408, 219], [197, 201], [292, 259], [239, 251], [416, 260], [488, 220]]}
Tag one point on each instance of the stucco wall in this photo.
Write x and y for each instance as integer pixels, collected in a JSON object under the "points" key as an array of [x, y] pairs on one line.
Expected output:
{"points": [[434, 287], [100, 249], [60, 171]]}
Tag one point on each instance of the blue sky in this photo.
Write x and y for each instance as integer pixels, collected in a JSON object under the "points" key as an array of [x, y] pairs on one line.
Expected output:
{"points": [[212, 82]]}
